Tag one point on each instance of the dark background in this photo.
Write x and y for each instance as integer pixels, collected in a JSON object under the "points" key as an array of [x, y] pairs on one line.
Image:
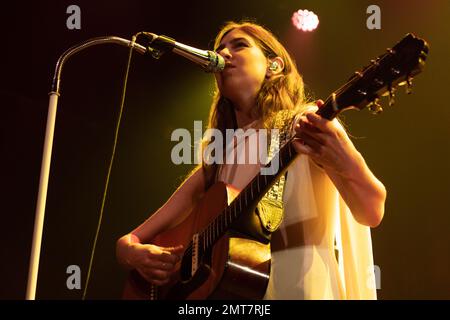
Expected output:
{"points": [[406, 146]]}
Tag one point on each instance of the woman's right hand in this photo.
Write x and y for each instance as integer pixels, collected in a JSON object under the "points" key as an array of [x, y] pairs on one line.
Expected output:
{"points": [[156, 264]]}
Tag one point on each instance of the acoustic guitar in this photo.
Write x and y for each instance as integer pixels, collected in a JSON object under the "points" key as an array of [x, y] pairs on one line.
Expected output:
{"points": [[225, 255]]}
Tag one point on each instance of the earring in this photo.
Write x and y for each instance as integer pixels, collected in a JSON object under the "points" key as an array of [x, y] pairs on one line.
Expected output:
{"points": [[273, 66]]}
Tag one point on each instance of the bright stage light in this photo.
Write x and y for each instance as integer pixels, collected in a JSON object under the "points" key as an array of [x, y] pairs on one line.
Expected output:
{"points": [[305, 20]]}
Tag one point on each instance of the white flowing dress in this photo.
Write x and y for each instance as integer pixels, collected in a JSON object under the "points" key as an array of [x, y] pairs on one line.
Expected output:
{"points": [[319, 251]]}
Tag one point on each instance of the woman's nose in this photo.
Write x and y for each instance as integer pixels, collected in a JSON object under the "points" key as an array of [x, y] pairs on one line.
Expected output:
{"points": [[225, 53]]}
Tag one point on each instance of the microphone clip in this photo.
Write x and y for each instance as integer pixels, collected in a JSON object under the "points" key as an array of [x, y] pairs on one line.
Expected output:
{"points": [[158, 45]]}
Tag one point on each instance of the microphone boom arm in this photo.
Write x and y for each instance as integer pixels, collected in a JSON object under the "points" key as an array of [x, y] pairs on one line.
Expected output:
{"points": [[89, 43]]}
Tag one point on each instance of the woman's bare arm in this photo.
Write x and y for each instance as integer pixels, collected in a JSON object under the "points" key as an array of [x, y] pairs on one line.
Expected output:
{"points": [[327, 144], [135, 251]]}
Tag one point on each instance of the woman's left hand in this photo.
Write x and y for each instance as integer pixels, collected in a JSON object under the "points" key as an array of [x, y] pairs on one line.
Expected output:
{"points": [[326, 142]]}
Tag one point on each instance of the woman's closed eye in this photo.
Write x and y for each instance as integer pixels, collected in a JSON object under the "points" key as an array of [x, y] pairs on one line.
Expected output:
{"points": [[240, 44]]}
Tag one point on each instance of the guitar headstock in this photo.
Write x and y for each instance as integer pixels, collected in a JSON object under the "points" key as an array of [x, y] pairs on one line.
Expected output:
{"points": [[396, 67]]}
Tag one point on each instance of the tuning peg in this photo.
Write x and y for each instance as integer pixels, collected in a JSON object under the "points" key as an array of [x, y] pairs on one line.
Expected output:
{"points": [[362, 93], [378, 82], [395, 72], [357, 74], [391, 95], [375, 106], [409, 85]]}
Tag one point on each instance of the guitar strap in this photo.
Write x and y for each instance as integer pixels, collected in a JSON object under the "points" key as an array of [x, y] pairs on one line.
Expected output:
{"points": [[270, 208]]}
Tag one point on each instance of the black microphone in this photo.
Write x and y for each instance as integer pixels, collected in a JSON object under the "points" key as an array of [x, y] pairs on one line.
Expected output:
{"points": [[208, 60]]}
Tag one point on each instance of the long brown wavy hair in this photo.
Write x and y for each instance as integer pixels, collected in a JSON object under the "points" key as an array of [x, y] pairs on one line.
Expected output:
{"points": [[282, 92]]}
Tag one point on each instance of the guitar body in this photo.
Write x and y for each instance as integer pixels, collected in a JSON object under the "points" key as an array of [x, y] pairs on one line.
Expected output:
{"points": [[237, 267]]}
